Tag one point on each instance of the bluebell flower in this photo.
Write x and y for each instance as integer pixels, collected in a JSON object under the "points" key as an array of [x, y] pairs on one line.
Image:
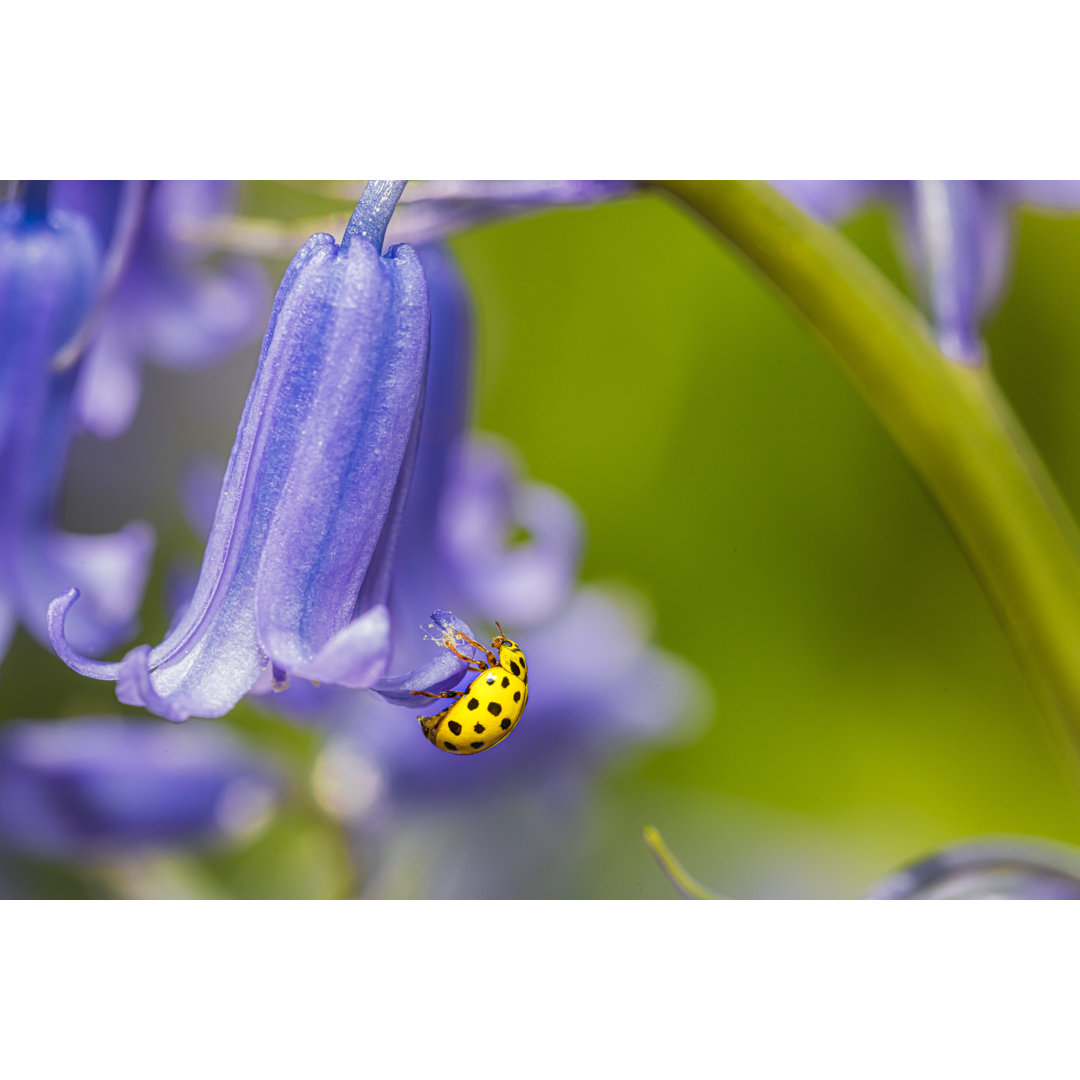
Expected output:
{"points": [[295, 576], [598, 689], [995, 869], [957, 232], [97, 787], [50, 279], [167, 305]]}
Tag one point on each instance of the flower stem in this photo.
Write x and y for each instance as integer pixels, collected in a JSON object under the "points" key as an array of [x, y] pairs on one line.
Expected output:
{"points": [[372, 213], [685, 885], [952, 422]]}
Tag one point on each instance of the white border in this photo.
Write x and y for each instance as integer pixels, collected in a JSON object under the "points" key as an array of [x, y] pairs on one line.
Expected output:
{"points": [[557, 989]]}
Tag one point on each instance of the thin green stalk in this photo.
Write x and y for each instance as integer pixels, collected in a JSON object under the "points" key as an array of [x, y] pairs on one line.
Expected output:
{"points": [[685, 885], [952, 422]]}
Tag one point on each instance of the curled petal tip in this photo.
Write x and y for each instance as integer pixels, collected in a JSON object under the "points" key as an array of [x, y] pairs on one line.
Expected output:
{"points": [[56, 618], [441, 672]]}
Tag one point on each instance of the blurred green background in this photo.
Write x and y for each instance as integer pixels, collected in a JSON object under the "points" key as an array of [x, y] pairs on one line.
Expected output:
{"points": [[867, 707]]}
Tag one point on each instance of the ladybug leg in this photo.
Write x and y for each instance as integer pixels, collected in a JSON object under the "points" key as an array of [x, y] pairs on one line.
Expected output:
{"points": [[474, 665], [445, 693], [493, 660]]}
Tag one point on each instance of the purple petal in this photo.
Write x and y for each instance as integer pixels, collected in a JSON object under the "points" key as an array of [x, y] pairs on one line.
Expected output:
{"points": [[958, 234], [354, 657], [134, 686], [1042, 194], [832, 200], [110, 572], [361, 381], [122, 241], [161, 305], [420, 580], [179, 206], [196, 317], [482, 505], [431, 210], [56, 619], [440, 671], [107, 393], [98, 787], [995, 869]]}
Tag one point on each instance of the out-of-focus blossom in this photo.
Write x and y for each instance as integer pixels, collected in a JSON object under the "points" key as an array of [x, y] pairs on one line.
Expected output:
{"points": [[995, 869], [430, 211], [1007, 868], [597, 687], [433, 209], [957, 232], [295, 576], [50, 276], [168, 305], [99, 787]]}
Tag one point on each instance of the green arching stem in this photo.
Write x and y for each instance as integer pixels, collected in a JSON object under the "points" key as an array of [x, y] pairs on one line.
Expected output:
{"points": [[688, 888], [951, 421]]}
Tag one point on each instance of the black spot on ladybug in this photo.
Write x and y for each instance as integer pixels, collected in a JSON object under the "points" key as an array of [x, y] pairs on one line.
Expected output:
{"points": [[506, 723], [473, 703], [450, 746], [515, 669], [476, 745], [517, 695], [455, 727], [494, 708], [479, 729], [505, 682]]}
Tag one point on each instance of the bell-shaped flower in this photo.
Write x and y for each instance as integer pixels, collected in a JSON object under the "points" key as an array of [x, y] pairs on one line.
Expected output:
{"points": [[100, 787], [958, 234], [50, 279], [166, 306], [479, 538], [295, 576]]}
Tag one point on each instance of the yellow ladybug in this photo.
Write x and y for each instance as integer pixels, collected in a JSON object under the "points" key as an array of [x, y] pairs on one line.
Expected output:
{"points": [[489, 710]]}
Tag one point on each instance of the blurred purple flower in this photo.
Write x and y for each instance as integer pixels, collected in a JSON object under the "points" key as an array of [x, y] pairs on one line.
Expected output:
{"points": [[957, 232], [1001, 868], [433, 209], [996, 869], [50, 278], [167, 306], [295, 576], [103, 786]]}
